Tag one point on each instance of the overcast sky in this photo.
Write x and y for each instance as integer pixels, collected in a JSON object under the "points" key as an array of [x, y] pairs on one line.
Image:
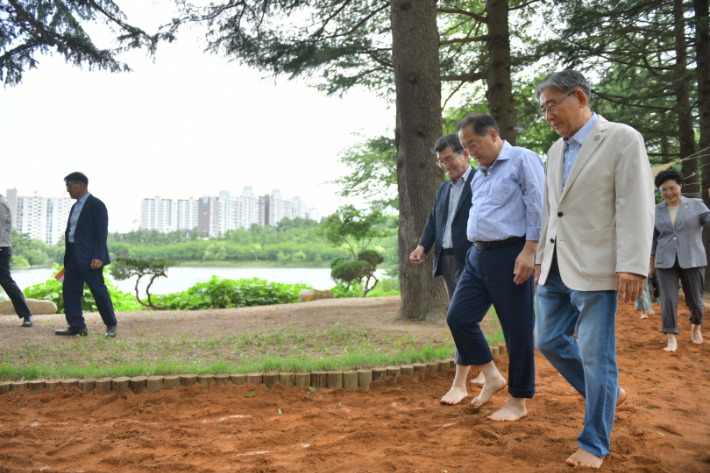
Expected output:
{"points": [[185, 125]]}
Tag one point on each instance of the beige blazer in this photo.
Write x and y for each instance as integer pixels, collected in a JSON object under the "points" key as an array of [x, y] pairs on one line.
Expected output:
{"points": [[602, 223]]}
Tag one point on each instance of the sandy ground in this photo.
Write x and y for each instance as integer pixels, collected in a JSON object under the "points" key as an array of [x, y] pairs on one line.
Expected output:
{"points": [[664, 426]]}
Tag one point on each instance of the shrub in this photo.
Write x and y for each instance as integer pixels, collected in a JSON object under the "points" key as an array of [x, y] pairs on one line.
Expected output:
{"points": [[51, 290], [222, 293]]}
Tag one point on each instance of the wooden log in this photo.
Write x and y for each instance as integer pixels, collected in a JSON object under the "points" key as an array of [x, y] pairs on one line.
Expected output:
{"points": [[36, 386], [18, 387], [169, 382], [104, 385], [238, 379], [188, 380], [120, 385], [221, 379], [444, 366], [153, 383], [495, 351], [378, 374], [364, 378], [420, 368], [286, 379], [70, 383], [52, 385], [432, 366], [302, 380], [318, 379], [87, 385], [452, 362], [137, 384], [255, 378], [205, 380], [503, 348], [407, 370], [349, 379], [394, 371], [5, 387], [270, 379], [334, 379]]}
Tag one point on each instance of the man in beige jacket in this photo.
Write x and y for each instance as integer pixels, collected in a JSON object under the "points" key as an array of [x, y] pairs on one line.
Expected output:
{"points": [[594, 251]]}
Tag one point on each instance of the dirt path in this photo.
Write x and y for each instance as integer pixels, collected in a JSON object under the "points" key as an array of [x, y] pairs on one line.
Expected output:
{"points": [[663, 427]]}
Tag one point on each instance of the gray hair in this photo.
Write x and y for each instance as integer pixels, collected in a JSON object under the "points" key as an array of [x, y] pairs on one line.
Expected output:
{"points": [[447, 141], [565, 81]]}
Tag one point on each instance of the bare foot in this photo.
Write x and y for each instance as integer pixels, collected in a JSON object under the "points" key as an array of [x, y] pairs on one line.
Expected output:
{"points": [[696, 335], [621, 397], [514, 410], [584, 458], [454, 396], [672, 343], [480, 379], [491, 387], [643, 315]]}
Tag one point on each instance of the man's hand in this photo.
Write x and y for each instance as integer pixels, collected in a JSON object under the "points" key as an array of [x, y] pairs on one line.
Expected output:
{"points": [[538, 270], [652, 267], [96, 263], [417, 255], [629, 287], [525, 263]]}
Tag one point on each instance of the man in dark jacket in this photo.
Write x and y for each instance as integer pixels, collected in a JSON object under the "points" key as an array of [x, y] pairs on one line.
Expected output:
{"points": [[85, 256], [447, 222]]}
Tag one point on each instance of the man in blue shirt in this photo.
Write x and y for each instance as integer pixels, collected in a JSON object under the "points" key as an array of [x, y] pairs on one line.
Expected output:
{"points": [[86, 254], [504, 226]]}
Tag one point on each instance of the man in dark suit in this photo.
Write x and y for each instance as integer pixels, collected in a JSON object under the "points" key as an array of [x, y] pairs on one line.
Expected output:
{"points": [[85, 256], [448, 219], [447, 222]]}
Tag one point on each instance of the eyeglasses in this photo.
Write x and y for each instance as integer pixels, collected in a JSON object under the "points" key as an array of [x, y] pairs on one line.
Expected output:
{"points": [[446, 161], [552, 107]]}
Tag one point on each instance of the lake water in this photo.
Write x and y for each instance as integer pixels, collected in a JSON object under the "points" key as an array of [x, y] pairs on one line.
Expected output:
{"points": [[181, 278]]}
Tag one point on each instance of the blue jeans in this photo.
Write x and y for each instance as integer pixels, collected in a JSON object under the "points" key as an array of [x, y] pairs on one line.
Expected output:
{"points": [[588, 363]]}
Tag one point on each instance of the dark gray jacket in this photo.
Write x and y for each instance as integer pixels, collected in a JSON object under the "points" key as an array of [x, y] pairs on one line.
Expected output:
{"points": [[5, 224], [684, 239]]}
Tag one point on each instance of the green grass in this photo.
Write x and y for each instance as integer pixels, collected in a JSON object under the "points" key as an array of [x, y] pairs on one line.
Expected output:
{"points": [[335, 348]]}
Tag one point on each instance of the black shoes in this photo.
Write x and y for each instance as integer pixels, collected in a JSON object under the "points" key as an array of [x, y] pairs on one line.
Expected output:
{"points": [[110, 331], [82, 332], [28, 321]]}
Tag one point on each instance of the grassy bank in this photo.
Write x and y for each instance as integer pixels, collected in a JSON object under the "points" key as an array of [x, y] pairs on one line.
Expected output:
{"points": [[336, 348]]}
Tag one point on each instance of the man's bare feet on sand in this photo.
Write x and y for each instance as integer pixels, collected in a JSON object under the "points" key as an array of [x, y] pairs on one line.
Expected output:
{"points": [[492, 386], [480, 379], [696, 334], [621, 397], [584, 458], [458, 392], [672, 343], [514, 410], [643, 315]]}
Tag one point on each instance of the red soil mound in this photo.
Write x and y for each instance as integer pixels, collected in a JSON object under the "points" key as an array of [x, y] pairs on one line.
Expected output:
{"points": [[663, 426]]}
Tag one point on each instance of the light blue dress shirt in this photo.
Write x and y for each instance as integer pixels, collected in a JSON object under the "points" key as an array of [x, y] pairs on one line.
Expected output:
{"points": [[574, 145], [454, 197], [75, 216], [507, 197]]}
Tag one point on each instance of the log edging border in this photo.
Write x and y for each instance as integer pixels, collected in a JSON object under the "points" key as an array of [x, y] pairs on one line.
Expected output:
{"points": [[317, 379]]}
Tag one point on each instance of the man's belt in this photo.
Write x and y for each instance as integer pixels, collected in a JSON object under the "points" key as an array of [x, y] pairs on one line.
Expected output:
{"points": [[489, 245], [448, 251]]}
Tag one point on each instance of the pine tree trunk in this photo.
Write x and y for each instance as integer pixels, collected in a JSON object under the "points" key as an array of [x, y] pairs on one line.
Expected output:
{"points": [[686, 133], [501, 103], [415, 56], [702, 48]]}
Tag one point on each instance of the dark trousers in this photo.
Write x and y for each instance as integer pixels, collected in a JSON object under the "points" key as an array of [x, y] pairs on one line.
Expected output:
{"points": [[488, 279], [9, 286], [692, 280], [73, 290], [451, 273]]}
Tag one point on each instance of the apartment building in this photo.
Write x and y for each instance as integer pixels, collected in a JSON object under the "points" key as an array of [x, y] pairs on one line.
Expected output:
{"points": [[43, 218]]}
